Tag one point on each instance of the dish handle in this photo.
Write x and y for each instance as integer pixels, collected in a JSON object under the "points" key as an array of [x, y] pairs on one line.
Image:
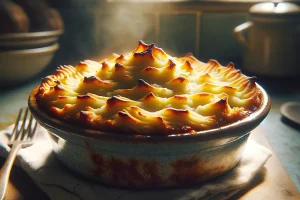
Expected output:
{"points": [[239, 35]]}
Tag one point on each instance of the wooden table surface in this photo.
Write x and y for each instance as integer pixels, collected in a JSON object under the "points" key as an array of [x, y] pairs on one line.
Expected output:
{"points": [[272, 182]]}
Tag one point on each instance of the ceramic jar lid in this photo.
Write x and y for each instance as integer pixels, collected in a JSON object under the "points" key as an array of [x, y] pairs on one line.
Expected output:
{"points": [[275, 9]]}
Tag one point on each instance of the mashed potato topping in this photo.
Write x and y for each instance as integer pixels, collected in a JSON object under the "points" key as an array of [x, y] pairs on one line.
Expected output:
{"points": [[148, 92]]}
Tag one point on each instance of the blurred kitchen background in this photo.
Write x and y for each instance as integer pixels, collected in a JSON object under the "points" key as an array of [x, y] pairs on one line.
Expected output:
{"points": [[93, 29], [97, 28]]}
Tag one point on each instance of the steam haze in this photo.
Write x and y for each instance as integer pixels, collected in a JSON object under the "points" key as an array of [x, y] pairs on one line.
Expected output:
{"points": [[120, 30]]}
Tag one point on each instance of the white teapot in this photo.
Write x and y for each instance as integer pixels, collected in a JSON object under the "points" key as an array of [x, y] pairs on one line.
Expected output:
{"points": [[271, 39]]}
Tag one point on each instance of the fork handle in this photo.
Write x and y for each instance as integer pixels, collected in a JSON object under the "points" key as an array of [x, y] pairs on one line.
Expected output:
{"points": [[6, 168]]}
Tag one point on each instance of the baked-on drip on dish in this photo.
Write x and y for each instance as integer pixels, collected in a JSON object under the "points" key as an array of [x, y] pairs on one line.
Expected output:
{"points": [[148, 92]]}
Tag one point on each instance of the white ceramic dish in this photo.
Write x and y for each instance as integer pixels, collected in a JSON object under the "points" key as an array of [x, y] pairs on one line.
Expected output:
{"points": [[129, 161]]}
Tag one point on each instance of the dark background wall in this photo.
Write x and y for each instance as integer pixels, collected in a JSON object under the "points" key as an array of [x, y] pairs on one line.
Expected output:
{"points": [[94, 29]]}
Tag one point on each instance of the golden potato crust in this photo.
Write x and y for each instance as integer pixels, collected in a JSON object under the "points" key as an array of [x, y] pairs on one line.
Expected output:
{"points": [[148, 92]]}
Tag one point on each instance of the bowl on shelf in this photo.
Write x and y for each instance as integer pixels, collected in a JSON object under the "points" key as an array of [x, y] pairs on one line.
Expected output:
{"points": [[12, 41], [18, 66]]}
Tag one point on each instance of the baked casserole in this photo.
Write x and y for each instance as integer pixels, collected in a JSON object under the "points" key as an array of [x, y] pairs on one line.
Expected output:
{"points": [[147, 119]]}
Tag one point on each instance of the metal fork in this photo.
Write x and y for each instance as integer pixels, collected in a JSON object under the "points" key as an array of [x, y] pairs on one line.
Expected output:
{"points": [[22, 136]]}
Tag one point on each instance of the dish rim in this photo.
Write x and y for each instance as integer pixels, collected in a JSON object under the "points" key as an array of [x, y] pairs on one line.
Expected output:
{"points": [[31, 35], [45, 49]]}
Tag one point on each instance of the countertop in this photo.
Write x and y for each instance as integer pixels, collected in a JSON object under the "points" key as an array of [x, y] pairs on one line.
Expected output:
{"points": [[282, 135]]}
